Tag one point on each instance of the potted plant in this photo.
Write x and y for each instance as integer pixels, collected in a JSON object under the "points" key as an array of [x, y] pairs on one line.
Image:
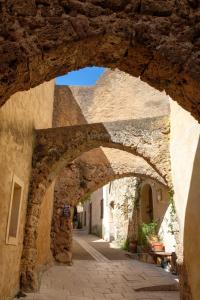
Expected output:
{"points": [[133, 245], [148, 237], [155, 244]]}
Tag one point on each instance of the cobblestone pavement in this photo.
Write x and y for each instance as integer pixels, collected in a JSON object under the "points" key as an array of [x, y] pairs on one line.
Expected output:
{"points": [[100, 278]]}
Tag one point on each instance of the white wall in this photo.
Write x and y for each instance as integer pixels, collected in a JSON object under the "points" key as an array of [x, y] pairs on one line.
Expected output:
{"points": [[106, 223], [185, 132], [95, 199], [115, 226], [115, 223], [185, 163], [161, 213]]}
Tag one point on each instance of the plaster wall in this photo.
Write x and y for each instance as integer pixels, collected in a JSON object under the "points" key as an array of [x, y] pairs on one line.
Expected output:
{"points": [[161, 213], [185, 133], [121, 193], [107, 223], [86, 215], [121, 219], [95, 199], [44, 254], [185, 163], [23, 112], [116, 96]]}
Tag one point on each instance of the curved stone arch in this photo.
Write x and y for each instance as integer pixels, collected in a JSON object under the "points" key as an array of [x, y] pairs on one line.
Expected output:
{"points": [[56, 147], [152, 39], [94, 169], [91, 171]]}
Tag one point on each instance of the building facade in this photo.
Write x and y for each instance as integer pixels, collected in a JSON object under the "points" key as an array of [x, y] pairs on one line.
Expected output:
{"points": [[115, 212]]}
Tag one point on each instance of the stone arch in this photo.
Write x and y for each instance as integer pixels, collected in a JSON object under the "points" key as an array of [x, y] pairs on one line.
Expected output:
{"points": [[97, 167], [55, 148], [146, 202], [86, 174], [157, 41]]}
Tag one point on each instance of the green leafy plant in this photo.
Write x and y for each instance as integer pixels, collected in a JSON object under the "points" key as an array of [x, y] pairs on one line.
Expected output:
{"points": [[125, 245], [172, 212], [145, 231], [130, 202]]}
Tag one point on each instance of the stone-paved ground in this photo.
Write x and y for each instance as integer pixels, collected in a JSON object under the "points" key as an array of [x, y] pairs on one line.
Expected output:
{"points": [[95, 280], [79, 253], [109, 250]]}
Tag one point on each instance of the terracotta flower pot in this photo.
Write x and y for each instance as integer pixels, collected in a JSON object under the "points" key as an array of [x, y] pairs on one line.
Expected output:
{"points": [[157, 247], [133, 246]]}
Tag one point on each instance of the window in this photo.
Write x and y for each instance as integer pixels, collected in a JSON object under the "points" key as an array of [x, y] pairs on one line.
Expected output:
{"points": [[101, 204], [14, 211]]}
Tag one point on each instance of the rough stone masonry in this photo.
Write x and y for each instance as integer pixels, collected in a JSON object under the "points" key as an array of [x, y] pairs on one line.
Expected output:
{"points": [[57, 147], [156, 40]]}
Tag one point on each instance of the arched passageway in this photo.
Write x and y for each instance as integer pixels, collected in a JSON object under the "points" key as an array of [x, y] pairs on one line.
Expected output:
{"points": [[91, 171], [146, 204], [95, 168], [56, 147], [158, 42], [155, 40], [77, 172]]}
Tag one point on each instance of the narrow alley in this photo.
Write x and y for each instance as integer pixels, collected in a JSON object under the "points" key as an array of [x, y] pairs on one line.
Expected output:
{"points": [[100, 271]]}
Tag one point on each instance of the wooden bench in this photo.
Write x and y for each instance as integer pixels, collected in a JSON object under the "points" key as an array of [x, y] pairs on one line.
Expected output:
{"points": [[164, 256]]}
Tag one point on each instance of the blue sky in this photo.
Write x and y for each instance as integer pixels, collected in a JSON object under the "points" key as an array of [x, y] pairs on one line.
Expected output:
{"points": [[85, 76]]}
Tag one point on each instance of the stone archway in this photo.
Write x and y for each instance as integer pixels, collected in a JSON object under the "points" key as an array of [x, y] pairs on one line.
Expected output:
{"points": [[55, 148], [86, 174], [95, 168], [156, 40]]}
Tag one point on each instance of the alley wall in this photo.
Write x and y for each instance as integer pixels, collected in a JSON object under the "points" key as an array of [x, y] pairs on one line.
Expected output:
{"points": [[185, 163], [24, 112]]}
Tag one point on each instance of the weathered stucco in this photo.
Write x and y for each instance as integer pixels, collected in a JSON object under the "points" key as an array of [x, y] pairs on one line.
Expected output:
{"points": [[116, 96], [92, 214], [156, 40], [44, 255], [124, 207], [120, 215], [161, 213], [184, 151], [22, 113]]}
